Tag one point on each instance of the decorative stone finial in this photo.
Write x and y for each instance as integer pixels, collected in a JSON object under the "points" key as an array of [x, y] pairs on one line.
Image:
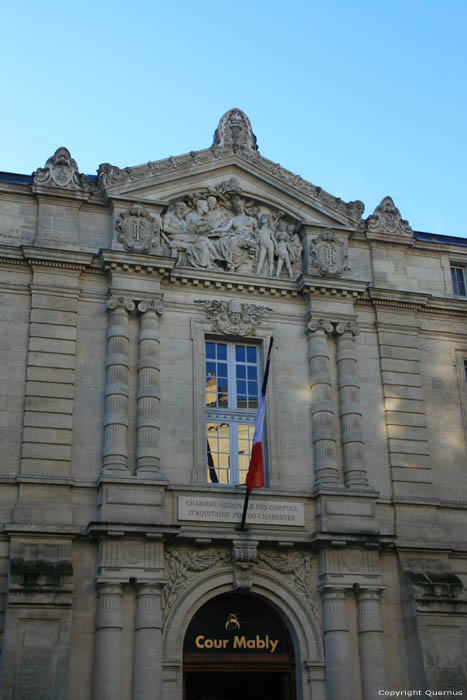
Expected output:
{"points": [[61, 171], [386, 218], [234, 132]]}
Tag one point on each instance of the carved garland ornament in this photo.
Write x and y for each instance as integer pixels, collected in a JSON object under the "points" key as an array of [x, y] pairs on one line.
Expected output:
{"points": [[299, 570], [182, 564], [232, 317]]}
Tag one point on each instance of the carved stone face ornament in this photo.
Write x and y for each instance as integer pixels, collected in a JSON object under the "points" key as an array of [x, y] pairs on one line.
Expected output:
{"points": [[232, 317]]}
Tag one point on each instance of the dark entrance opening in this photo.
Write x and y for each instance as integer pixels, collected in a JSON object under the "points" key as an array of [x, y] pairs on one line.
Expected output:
{"points": [[237, 648]]}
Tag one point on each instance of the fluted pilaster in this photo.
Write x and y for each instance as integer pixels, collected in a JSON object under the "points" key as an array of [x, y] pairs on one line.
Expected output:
{"points": [[108, 650], [340, 683], [148, 407], [147, 665], [355, 474], [324, 437], [371, 644], [115, 455]]}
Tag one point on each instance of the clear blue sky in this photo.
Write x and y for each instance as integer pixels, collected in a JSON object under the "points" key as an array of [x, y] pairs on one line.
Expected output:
{"points": [[363, 98]]}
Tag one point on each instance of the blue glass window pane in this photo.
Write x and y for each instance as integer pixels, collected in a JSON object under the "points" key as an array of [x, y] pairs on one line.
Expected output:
{"points": [[221, 369], [221, 351], [211, 369], [240, 353], [253, 389], [251, 354], [252, 372], [223, 399], [241, 371], [241, 387], [210, 350], [222, 381]]}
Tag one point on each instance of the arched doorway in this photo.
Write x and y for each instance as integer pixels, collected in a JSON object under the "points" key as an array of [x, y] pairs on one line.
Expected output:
{"points": [[237, 648]]}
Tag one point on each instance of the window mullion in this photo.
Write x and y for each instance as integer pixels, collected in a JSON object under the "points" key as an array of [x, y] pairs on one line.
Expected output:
{"points": [[234, 453], [232, 378]]}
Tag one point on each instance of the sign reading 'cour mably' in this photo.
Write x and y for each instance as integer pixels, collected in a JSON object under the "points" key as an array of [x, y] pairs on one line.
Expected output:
{"points": [[229, 510]]}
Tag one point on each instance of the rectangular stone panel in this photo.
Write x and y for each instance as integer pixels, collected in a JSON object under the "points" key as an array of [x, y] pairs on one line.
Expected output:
{"points": [[409, 446], [51, 374], [50, 359], [54, 302], [399, 459], [400, 418], [65, 318], [52, 345], [47, 435], [407, 432], [398, 339], [401, 378], [47, 330], [229, 510], [47, 420], [412, 475], [48, 405], [45, 388]]}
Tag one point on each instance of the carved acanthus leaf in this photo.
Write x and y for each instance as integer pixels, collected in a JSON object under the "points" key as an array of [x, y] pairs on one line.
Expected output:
{"points": [[232, 317], [298, 568], [387, 219], [61, 170], [183, 564]]}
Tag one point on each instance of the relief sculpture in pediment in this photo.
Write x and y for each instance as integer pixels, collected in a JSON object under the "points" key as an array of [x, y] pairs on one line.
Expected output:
{"points": [[220, 229]]}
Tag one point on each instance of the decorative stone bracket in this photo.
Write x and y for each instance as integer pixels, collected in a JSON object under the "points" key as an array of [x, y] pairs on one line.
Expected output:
{"points": [[244, 554]]}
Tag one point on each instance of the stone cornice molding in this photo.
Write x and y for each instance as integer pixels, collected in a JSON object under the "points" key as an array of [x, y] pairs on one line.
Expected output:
{"points": [[135, 262], [343, 287], [51, 257], [234, 141]]}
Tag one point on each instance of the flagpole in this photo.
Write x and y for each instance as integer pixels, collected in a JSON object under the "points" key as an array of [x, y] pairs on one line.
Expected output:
{"points": [[245, 508], [263, 394]]}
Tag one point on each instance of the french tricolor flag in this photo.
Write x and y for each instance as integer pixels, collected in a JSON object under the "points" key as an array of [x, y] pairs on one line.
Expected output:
{"points": [[255, 476]]}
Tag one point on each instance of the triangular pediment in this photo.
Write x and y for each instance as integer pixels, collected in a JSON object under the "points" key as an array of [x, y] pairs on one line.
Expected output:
{"points": [[165, 181], [229, 209]]}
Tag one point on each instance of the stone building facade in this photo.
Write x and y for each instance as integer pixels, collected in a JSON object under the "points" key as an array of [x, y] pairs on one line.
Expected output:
{"points": [[136, 309]]}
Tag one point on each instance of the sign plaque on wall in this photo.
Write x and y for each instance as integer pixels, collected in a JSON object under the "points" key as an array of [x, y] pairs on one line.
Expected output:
{"points": [[229, 510]]}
